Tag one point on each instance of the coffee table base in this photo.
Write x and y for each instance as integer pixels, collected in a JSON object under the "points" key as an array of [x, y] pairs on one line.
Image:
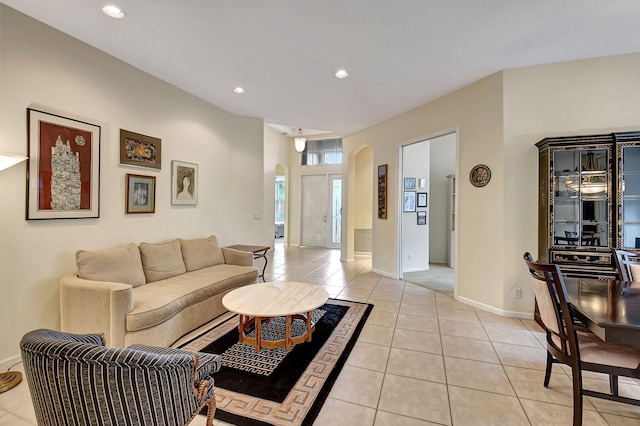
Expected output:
{"points": [[245, 322]]}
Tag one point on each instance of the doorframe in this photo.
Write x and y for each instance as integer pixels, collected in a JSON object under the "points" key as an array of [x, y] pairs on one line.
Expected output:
{"points": [[399, 197]]}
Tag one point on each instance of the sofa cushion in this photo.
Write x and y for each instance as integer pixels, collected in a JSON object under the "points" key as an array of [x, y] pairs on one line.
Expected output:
{"points": [[200, 253], [156, 302], [120, 265], [161, 261]]}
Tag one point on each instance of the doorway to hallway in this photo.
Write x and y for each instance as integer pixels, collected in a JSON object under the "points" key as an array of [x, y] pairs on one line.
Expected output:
{"points": [[426, 246]]}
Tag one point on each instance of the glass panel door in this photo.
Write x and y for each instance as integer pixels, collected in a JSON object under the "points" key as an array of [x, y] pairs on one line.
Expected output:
{"points": [[279, 202], [580, 205], [336, 212], [630, 189]]}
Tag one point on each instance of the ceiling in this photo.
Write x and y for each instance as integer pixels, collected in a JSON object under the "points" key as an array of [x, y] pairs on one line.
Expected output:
{"points": [[399, 53]]}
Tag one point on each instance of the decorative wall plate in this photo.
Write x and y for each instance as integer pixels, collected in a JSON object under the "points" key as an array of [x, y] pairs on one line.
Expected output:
{"points": [[480, 175]]}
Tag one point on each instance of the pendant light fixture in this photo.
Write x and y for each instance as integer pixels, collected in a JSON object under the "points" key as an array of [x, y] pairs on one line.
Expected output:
{"points": [[300, 141]]}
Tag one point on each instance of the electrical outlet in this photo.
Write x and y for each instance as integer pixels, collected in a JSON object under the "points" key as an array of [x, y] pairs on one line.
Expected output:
{"points": [[517, 293]]}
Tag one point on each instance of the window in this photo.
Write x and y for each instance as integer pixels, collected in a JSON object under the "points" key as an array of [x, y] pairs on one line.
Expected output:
{"points": [[279, 201], [322, 151]]}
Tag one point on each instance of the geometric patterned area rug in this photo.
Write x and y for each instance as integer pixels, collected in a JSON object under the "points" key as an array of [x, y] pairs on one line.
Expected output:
{"points": [[242, 356], [298, 383]]}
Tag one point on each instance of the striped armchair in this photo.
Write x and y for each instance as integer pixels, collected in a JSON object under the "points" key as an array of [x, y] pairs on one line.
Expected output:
{"points": [[75, 380]]}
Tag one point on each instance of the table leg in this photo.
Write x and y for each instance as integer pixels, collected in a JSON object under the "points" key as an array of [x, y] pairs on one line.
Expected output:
{"points": [[308, 326], [258, 323], [262, 255], [287, 333]]}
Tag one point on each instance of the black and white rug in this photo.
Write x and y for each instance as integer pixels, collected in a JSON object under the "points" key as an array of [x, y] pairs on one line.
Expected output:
{"points": [[244, 357], [274, 387]]}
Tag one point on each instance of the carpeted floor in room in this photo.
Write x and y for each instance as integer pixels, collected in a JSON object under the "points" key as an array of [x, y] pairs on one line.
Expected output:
{"points": [[423, 359]]}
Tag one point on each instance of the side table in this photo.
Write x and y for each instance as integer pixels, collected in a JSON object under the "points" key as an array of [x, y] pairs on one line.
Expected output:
{"points": [[258, 252]]}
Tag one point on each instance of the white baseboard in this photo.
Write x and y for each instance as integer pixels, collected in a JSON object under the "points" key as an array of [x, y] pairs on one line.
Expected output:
{"points": [[416, 269], [503, 313], [383, 273], [7, 363]]}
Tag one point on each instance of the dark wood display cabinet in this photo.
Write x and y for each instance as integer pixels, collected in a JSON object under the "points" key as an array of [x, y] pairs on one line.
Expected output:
{"points": [[589, 201]]}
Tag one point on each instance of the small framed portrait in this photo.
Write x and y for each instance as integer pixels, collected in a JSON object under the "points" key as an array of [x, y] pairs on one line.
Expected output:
{"points": [[184, 183], [139, 150], [422, 199], [409, 202], [409, 183], [422, 217], [141, 194]]}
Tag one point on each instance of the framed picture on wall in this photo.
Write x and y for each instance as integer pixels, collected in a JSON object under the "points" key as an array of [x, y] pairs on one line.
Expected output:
{"points": [[409, 201], [140, 150], [382, 191], [422, 199], [141, 194], [409, 183], [184, 183], [422, 218], [63, 172]]}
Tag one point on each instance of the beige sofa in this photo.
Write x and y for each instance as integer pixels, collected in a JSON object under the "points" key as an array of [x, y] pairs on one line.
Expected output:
{"points": [[151, 293]]}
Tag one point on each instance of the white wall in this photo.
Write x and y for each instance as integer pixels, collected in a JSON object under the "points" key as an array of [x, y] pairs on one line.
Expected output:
{"points": [[586, 97], [364, 189], [443, 163], [475, 112], [498, 120], [43, 68], [415, 238], [276, 156]]}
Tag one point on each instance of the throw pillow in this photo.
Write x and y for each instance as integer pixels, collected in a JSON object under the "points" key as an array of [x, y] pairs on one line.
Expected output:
{"points": [[200, 253], [161, 261], [120, 265]]}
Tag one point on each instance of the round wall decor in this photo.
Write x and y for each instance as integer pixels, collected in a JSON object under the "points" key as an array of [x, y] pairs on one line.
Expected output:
{"points": [[480, 175]]}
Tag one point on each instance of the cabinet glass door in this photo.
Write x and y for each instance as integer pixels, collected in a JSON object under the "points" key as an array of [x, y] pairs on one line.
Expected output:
{"points": [[630, 190], [580, 205]]}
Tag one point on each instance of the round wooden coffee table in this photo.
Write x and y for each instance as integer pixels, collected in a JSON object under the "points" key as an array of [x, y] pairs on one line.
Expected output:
{"points": [[261, 302]]}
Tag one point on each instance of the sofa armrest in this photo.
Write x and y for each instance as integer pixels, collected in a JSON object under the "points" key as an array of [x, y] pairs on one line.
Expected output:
{"points": [[88, 306], [237, 257]]}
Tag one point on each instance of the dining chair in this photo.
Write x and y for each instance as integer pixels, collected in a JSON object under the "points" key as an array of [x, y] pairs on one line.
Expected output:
{"points": [[570, 345], [628, 265]]}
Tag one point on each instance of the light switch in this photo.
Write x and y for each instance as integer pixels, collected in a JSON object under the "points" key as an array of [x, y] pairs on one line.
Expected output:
{"points": [[257, 216]]}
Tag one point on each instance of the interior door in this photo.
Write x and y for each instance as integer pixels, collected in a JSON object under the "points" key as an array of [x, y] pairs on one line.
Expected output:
{"points": [[315, 190]]}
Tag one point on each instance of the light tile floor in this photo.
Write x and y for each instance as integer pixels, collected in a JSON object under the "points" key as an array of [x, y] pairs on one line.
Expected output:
{"points": [[424, 358]]}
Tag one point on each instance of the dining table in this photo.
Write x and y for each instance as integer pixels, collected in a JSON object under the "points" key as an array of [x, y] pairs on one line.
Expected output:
{"points": [[609, 308]]}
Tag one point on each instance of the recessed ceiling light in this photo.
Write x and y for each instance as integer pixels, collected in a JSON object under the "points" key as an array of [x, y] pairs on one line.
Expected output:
{"points": [[239, 90], [341, 74], [113, 11]]}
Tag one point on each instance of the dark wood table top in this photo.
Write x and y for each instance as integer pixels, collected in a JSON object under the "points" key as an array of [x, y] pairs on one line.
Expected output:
{"points": [[252, 249], [611, 308]]}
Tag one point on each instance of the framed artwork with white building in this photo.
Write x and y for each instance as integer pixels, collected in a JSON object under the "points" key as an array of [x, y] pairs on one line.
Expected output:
{"points": [[63, 171]]}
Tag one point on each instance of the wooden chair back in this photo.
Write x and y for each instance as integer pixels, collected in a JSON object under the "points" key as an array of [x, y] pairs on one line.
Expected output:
{"points": [[628, 263]]}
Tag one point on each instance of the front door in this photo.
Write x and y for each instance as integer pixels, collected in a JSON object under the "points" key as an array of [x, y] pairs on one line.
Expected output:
{"points": [[321, 211], [314, 210]]}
